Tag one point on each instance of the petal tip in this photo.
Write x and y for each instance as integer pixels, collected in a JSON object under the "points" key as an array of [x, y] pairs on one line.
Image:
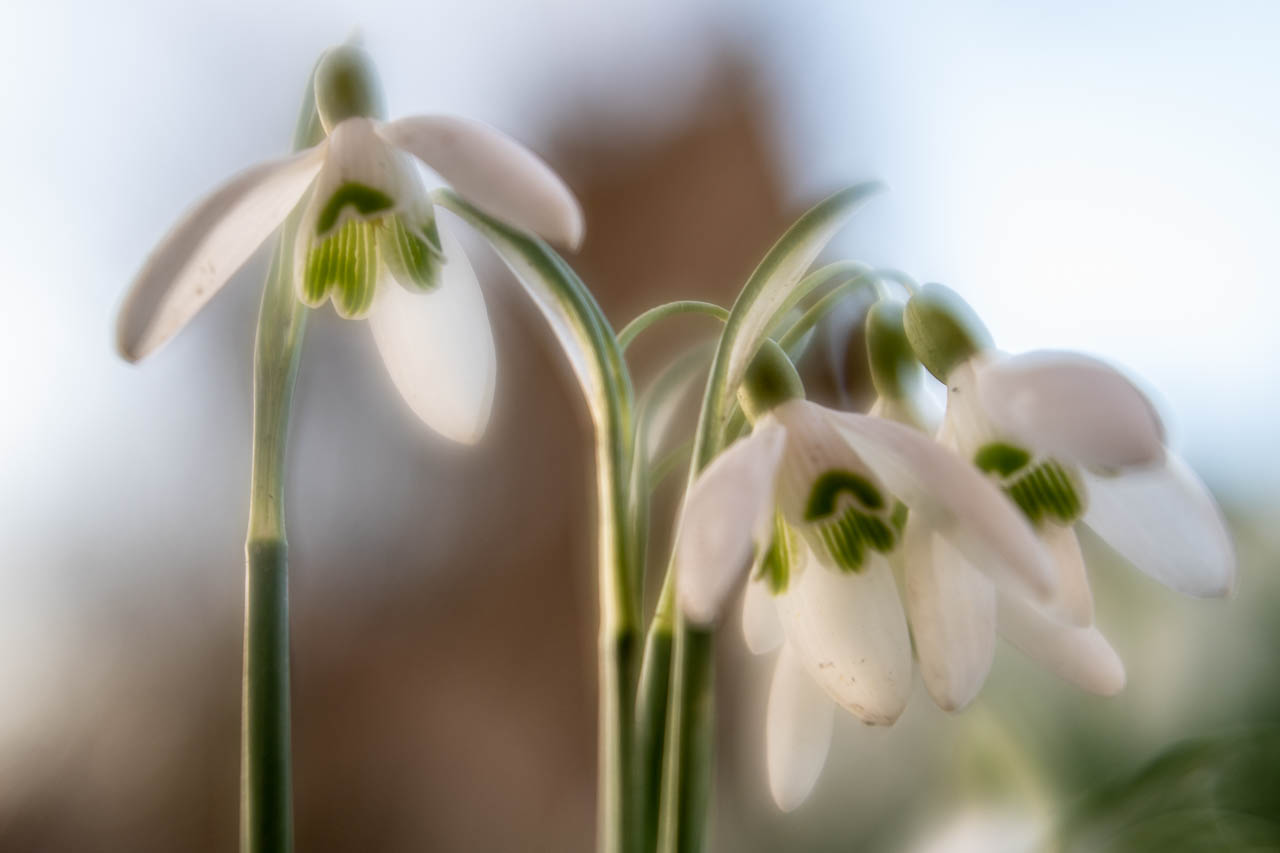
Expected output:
{"points": [[787, 800]]}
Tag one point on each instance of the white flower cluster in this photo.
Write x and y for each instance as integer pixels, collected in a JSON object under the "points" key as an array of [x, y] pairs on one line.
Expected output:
{"points": [[873, 535]]}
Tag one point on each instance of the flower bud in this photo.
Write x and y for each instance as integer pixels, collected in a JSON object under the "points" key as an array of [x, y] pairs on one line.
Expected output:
{"points": [[347, 86], [895, 372], [943, 330], [771, 380]]}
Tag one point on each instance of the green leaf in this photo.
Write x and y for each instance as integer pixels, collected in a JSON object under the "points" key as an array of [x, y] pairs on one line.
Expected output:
{"points": [[1211, 794], [769, 290]]}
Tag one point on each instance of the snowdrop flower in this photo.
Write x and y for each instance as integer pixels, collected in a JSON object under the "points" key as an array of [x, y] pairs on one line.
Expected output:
{"points": [[367, 219], [1071, 441], [822, 498]]}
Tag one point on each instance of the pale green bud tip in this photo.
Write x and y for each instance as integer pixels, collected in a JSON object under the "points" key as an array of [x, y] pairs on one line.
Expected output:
{"points": [[895, 372], [943, 330], [347, 86], [771, 380]]}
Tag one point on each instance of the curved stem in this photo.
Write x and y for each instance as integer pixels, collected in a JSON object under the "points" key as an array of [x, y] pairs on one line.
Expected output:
{"points": [[822, 308], [685, 306], [266, 799], [593, 350]]}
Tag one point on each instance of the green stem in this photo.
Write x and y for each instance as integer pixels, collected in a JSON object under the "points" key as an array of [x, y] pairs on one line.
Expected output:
{"points": [[266, 800], [821, 308], [686, 306], [593, 349], [686, 782]]}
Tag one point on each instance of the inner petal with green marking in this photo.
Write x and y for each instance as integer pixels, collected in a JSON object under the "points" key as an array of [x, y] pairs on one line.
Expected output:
{"points": [[848, 516], [365, 200], [1043, 489], [776, 563], [344, 265], [412, 254]]}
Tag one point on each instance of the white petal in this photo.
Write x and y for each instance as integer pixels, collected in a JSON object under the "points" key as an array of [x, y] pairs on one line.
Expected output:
{"points": [[494, 172], [727, 517], [850, 633], [1072, 407], [953, 498], [205, 249], [438, 346], [761, 627], [952, 609], [1080, 655], [797, 732], [1166, 523], [1073, 601]]}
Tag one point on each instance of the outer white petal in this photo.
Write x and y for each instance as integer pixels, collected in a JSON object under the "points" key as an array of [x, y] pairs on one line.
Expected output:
{"points": [[438, 346], [494, 172], [849, 632], [727, 517], [1165, 522], [205, 249], [761, 627], [1072, 407], [953, 498], [952, 609], [1080, 655], [797, 732]]}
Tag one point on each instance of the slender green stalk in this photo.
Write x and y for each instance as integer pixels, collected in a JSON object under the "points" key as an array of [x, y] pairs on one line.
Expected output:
{"points": [[593, 351], [810, 318], [266, 800], [686, 306]]}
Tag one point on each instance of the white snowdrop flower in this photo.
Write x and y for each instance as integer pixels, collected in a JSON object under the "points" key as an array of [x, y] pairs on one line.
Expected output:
{"points": [[819, 500], [367, 218], [1069, 440]]}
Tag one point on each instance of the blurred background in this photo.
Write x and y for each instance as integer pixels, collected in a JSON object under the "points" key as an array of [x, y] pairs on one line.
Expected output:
{"points": [[1089, 177]]}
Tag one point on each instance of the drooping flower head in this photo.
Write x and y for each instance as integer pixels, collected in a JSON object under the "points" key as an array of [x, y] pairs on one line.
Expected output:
{"points": [[1069, 440], [367, 239], [820, 502]]}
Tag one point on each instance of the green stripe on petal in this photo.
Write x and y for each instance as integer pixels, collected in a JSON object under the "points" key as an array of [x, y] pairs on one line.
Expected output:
{"points": [[846, 538], [845, 529], [365, 199], [344, 265], [775, 566], [1047, 491], [828, 488], [410, 255], [1000, 458]]}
